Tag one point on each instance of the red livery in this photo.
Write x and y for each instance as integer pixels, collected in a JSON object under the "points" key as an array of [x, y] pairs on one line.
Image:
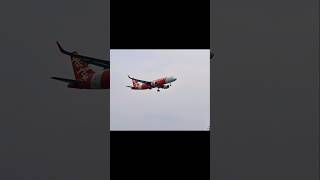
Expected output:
{"points": [[163, 83], [86, 77]]}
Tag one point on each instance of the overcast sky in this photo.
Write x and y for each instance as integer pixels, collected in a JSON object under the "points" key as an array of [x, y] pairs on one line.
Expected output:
{"points": [[184, 106]]}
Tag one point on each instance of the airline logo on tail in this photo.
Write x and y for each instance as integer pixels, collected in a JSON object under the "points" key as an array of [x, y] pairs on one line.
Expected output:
{"points": [[85, 77], [135, 83], [81, 69]]}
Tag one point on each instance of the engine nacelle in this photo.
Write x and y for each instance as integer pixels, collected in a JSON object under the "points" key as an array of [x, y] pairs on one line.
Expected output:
{"points": [[166, 86]]}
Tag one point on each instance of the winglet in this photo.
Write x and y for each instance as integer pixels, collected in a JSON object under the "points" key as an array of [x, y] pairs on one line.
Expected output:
{"points": [[60, 47], [62, 50]]}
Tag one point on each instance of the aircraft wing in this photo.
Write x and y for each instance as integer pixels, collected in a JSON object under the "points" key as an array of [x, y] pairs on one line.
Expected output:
{"points": [[142, 81], [66, 80], [98, 62]]}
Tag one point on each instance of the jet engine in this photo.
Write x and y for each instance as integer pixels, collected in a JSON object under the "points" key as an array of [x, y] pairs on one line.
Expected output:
{"points": [[166, 86]]}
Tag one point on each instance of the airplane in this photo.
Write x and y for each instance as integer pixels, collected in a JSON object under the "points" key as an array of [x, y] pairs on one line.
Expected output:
{"points": [[86, 77], [163, 83]]}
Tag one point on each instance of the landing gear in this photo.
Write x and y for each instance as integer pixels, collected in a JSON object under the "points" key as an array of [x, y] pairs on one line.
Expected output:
{"points": [[158, 90]]}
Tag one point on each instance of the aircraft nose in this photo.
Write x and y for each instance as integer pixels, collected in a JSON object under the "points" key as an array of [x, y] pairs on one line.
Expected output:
{"points": [[171, 79]]}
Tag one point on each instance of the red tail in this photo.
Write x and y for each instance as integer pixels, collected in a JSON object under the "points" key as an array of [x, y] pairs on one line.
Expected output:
{"points": [[81, 69], [135, 83]]}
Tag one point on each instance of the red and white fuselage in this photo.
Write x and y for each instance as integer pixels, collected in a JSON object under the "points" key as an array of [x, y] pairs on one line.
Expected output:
{"points": [[163, 83]]}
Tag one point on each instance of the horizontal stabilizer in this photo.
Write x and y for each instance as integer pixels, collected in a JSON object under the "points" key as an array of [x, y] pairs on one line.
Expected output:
{"points": [[66, 80]]}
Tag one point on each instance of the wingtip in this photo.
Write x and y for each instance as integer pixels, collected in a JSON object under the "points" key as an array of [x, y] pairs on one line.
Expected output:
{"points": [[130, 77], [59, 46], [54, 78], [63, 50]]}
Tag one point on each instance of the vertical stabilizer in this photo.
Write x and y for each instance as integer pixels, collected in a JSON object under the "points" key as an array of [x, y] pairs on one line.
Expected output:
{"points": [[81, 69], [135, 83]]}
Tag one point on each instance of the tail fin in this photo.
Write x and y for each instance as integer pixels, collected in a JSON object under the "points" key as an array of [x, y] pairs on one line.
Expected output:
{"points": [[81, 69], [135, 83]]}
